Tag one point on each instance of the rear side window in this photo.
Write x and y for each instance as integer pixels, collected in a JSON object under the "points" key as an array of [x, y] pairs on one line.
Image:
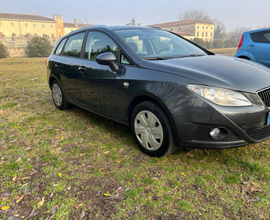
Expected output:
{"points": [[60, 47], [74, 45], [261, 37]]}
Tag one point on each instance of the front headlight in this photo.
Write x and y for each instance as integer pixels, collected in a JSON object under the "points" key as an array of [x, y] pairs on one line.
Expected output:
{"points": [[220, 96]]}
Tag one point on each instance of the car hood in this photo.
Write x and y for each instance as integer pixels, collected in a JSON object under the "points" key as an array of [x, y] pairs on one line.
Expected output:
{"points": [[216, 70]]}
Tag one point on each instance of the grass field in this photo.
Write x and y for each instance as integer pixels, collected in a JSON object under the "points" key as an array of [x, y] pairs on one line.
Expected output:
{"points": [[76, 165]]}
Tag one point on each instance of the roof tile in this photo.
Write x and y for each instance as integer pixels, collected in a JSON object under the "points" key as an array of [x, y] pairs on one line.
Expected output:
{"points": [[176, 23], [24, 17]]}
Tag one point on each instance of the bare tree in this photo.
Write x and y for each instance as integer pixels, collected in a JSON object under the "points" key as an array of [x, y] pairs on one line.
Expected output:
{"points": [[237, 32], [133, 23], [194, 14]]}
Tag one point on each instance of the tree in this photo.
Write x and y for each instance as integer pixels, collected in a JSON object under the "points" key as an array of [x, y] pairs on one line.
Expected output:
{"points": [[133, 23], [38, 47], [218, 43], [237, 32], [220, 29], [3, 51], [194, 14]]}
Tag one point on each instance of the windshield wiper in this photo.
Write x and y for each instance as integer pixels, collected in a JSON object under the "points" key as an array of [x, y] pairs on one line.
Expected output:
{"points": [[158, 58], [192, 55]]}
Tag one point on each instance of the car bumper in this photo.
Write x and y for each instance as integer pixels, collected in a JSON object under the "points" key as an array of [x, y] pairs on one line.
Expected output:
{"points": [[197, 117]]}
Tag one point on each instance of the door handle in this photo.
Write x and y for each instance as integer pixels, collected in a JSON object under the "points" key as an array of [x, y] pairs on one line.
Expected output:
{"points": [[57, 66], [82, 68], [251, 45]]}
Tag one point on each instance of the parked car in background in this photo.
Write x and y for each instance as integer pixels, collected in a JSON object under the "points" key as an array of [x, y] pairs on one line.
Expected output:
{"points": [[255, 45], [170, 91]]}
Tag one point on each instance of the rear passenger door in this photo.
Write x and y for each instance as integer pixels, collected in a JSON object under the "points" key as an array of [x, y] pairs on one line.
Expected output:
{"points": [[259, 47], [68, 65]]}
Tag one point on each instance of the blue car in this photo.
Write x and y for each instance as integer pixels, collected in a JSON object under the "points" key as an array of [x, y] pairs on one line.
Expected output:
{"points": [[255, 45]]}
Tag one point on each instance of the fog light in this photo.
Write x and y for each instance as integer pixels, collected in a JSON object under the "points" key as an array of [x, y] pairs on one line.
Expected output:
{"points": [[215, 133]]}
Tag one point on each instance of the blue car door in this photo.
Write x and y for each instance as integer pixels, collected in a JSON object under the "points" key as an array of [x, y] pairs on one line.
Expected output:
{"points": [[259, 47]]}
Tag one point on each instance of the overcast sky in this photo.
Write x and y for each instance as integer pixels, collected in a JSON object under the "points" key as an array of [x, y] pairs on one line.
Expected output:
{"points": [[233, 13]]}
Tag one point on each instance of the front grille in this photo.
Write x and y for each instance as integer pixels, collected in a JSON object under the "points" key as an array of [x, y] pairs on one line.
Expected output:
{"points": [[202, 134], [265, 96], [258, 132]]}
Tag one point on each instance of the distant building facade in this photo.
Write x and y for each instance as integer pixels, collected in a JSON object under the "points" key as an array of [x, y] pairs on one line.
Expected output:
{"points": [[190, 29], [21, 25]]}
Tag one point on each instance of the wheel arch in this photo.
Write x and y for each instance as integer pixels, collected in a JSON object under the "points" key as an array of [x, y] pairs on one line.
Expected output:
{"points": [[244, 57], [141, 98], [52, 78]]}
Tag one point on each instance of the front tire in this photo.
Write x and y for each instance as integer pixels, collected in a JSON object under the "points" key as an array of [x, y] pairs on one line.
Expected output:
{"points": [[152, 129], [58, 96]]}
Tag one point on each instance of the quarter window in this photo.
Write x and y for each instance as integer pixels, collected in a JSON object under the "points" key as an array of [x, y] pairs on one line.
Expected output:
{"points": [[60, 47], [98, 43], [74, 45]]}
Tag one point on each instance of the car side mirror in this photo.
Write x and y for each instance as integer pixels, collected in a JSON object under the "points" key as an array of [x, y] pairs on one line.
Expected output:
{"points": [[109, 59]]}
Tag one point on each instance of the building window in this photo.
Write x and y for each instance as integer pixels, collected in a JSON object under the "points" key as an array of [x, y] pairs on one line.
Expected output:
{"points": [[211, 28], [0, 23], [43, 25], [179, 29], [206, 34], [34, 25], [197, 34], [171, 29], [51, 26], [25, 24], [211, 34], [198, 27], [202, 34], [206, 27], [202, 27], [12, 24]]}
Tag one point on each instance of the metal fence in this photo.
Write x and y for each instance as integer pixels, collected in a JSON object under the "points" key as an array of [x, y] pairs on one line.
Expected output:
{"points": [[21, 42]]}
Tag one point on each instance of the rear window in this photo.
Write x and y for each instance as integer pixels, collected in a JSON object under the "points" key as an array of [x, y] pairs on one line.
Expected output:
{"points": [[261, 37]]}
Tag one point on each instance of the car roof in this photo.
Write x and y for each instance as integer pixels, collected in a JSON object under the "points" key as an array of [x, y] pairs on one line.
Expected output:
{"points": [[105, 27], [257, 30]]}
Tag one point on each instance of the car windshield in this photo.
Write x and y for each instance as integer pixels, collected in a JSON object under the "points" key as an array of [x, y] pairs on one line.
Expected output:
{"points": [[158, 44]]}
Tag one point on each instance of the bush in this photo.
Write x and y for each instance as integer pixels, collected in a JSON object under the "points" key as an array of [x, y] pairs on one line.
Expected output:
{"points": [[231, 43], [3, 51], [199, 42], [209, 45], [38, 47], [218, 43]]}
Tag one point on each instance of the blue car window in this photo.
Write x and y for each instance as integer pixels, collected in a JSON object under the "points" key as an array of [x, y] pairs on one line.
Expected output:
{"points": [[260, 37]]}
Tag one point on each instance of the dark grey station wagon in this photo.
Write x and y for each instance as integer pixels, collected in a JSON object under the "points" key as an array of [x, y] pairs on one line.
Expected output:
{"points": [[169, 90]]}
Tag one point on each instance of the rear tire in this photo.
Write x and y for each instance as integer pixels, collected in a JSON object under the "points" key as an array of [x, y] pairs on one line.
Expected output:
{"points": [[152, 130], [58, 96]]}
